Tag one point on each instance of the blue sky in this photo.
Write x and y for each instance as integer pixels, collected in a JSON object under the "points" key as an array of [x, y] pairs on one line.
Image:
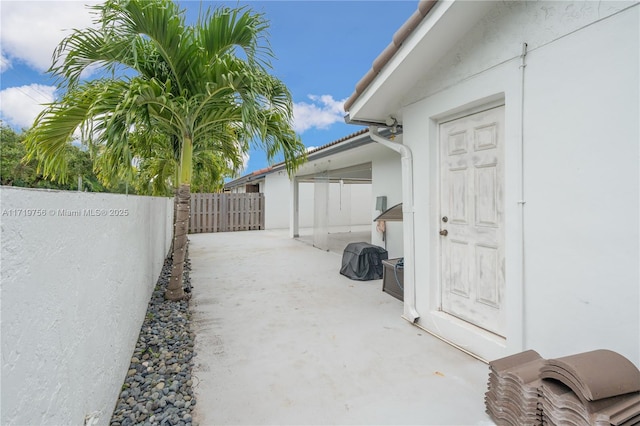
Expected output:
{"points": [[322, 49]]}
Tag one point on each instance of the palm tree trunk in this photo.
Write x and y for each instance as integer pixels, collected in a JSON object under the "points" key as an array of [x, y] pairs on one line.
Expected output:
{"points": [[175, 289], [175, 212]]}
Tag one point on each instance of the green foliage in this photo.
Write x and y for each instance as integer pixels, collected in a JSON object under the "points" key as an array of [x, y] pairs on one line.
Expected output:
{"points": [[12, 170], [15, 170], [192, 102]]}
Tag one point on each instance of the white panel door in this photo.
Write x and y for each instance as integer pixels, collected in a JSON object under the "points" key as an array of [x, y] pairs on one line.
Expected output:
{"points": [[472, 219]]}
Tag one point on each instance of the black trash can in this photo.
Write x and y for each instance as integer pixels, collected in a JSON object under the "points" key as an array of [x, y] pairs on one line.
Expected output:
{"points": [[363, 261], [393, 277]]}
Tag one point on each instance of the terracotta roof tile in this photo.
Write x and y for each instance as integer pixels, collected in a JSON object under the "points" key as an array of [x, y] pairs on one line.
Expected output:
{"points": [[345, 138], [595, 375], [597, 387], [424, 7]]}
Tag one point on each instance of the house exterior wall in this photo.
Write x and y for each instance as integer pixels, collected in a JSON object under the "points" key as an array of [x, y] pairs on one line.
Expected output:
{"points": [[277, 192], [348, 206], [581, 262], [387, 181], [359, 198], [238, 190], [305, 205], [242, 189], [74, 293], [572, 248]]}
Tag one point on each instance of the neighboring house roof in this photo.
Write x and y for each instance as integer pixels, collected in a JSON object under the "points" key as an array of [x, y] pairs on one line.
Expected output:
{"points": [[330, 144], [424, 7], [248, 178], [346, 142]]}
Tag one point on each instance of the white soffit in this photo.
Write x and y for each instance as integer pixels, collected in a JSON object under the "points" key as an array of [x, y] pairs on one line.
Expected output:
{"points": [[342, 160], [440, 30]]}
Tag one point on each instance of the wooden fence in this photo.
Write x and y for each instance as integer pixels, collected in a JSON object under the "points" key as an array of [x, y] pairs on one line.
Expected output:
{"points": [[226, 212]]}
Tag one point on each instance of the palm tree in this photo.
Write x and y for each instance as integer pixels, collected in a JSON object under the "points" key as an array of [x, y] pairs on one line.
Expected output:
{"points": [[204, 88], [158, 160]]}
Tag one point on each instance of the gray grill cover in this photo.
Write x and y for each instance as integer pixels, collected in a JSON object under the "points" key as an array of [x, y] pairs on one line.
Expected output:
{"points": [[363, 261]]}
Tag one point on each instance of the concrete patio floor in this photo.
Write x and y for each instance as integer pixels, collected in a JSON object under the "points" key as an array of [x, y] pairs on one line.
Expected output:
{"points": [[282, 338], [337, 241]]}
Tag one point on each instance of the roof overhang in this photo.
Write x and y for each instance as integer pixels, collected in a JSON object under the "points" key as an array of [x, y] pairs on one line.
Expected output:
{"points": [[250, 179], [394, 214], [340, 157], [348, 161], [352, 175], [444, 25]]}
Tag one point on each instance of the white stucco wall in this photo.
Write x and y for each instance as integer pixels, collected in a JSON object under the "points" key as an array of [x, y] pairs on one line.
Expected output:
{"points": [[306, 205], [348, 206], [572, 277], [74, 292], [499, 35], [360, 198], [387, 181], [582, 186], [238, 190], [277, 193]]}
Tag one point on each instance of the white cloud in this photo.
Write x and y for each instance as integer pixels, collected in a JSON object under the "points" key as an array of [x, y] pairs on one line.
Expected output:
{"points": [[5, 63], [322, 112], [30, 30], [243, 167], [19, 106], [245, 161]]}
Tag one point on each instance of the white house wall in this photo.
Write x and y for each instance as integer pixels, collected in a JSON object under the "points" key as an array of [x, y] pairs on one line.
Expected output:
{"points": [[499, 35], [277, 188], [348, 204], [387, 181], [305, 205], [360, 198], [577, 288], [582, 188]]}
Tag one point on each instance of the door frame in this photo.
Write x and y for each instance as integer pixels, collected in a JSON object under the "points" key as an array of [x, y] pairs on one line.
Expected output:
{"points": [[440, 122], [421, 119], [468, 337]]}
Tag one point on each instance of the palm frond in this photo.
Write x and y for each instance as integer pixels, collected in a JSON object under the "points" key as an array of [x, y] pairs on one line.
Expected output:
{"points": [[226, 29], [205, 86]]}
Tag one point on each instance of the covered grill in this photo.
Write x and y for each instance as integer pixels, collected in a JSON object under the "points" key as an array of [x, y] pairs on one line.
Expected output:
{"points": [[363, 261]]}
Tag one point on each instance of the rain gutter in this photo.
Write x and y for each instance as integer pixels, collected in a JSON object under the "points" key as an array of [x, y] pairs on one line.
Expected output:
{"points": [[410, 312], [394, 126], [358, 141]]}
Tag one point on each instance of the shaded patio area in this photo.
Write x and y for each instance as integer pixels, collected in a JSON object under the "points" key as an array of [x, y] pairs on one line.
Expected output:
{"points": [[283, 338], [337, 241]]}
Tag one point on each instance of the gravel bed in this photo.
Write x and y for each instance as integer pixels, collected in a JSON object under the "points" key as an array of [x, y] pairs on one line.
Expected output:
{"points": [[158, 387]]}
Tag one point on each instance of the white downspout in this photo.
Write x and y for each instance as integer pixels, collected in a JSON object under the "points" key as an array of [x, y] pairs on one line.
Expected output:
{"points": [[522, 201], [410, 312]]}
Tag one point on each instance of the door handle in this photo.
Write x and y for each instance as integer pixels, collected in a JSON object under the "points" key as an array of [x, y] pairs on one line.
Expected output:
{"points": [[444, 232]]}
